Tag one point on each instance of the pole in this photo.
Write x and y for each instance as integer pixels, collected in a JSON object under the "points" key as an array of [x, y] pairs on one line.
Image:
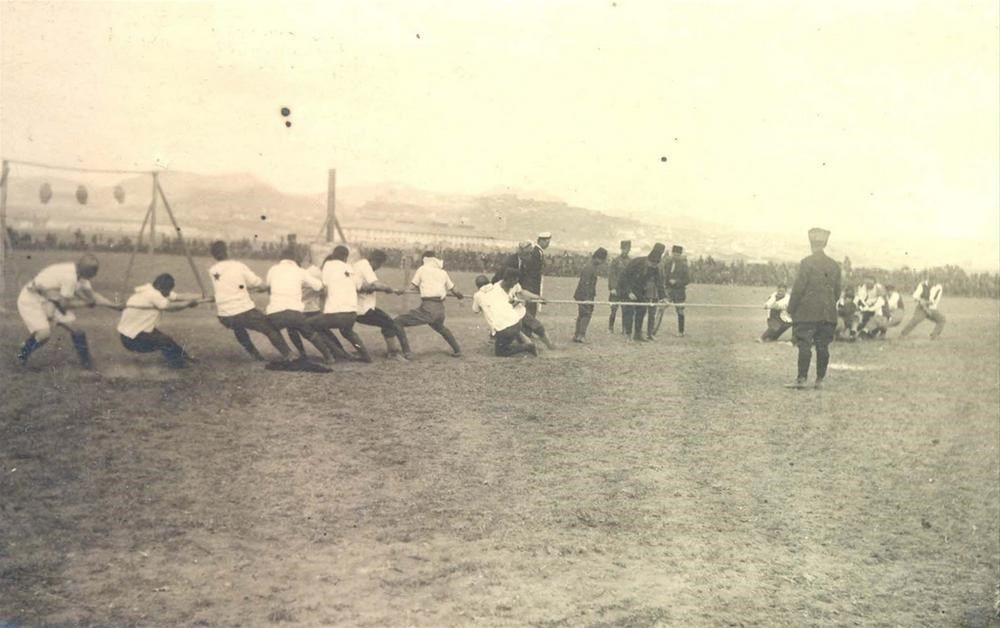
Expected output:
{"points": [[331, 205], [3, 229], [177, 228], [152, 219], [135, 251]]}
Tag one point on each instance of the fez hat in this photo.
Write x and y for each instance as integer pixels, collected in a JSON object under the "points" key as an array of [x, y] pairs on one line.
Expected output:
{"points": [[818, 236], [524, 244], [657, 253], [545, 235], [625, 243], [677, 248]]}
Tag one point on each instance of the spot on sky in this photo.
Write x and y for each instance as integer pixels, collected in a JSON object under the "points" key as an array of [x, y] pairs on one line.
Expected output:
{"points": [[663, 159], [285, 111], [288, 123], [263, 217]]}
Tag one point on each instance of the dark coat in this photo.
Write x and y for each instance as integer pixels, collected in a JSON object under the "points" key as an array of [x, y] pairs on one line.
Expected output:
{"points": [[816, 290], [586, 288], [676, 269], [529, 269], [638, 276]]}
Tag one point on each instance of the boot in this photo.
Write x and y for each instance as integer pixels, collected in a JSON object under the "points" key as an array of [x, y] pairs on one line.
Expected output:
{"points": [[82, 350]]}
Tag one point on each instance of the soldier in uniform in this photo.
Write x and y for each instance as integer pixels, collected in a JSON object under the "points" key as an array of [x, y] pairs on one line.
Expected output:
{"points": [[676, 277], [615, 269], [640, 282], [813, 308]]}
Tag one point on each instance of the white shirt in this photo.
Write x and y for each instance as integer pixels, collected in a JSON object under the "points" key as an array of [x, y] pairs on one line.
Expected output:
{"points": [[341, 291], [58, 280], [774, 303], [286, 279], [495, 305], [231, 281], [364, 274], [513, 296], [431, 279], [935, 294], [867, 299], [135, 321], [895, 301], [312, 300]]}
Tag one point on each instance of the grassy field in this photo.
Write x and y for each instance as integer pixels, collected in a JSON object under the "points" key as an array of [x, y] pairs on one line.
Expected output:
{"points": [[670, 483]]}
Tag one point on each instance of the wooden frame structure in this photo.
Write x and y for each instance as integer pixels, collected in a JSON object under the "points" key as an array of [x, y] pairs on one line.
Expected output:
{"points": [[149, 219]]}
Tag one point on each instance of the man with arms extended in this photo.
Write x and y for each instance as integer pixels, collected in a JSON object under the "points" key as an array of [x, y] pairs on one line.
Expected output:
{"points": [[286, 282], [139, 327], [369, 313], [928, 298], [340, 310], [615, 269], [232, 282], [434, 286], [493, 300], [50, 297], [813, 308]]}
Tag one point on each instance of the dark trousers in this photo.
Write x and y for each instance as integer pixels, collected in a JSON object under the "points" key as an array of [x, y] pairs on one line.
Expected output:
{"points": [[344, 322], [508, 342], [431, 312], [583, 314], [376, 317], [156, 340], [775, 327], [632, 317], [614, 312], [297, 323], [808, 334], [919, 314], [255, 320]]}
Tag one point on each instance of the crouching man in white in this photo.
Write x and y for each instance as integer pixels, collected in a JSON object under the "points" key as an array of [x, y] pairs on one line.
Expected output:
{"points": [[50, 297], [493, 300], [138, 327]]}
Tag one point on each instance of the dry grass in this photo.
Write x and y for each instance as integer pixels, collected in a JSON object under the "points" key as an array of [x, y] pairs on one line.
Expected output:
{"points": [[675, 483]]}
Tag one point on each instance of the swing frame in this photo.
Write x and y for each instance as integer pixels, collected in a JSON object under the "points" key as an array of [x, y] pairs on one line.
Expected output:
{"points": [[150, 218]]}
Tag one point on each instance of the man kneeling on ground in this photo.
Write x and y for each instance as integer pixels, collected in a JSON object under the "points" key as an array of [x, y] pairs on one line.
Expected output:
{"points": [[504, 320]]}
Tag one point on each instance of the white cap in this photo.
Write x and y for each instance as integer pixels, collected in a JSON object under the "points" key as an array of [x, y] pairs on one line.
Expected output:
{"points": [[545, 234]]}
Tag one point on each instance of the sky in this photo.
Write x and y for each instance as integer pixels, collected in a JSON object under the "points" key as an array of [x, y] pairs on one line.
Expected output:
{"points": [[868, 118]]}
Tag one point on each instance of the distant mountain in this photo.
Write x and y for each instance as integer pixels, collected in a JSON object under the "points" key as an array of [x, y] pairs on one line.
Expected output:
{"points": [[242, 206]]}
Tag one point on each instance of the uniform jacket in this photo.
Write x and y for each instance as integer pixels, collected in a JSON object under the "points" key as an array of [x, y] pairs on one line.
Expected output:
{"points": [[529, 269], [638, 276], [816, 290], [586, 288], [615, 269], [676, 269]]}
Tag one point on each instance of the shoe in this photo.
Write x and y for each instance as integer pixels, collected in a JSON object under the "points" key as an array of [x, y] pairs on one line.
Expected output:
{"points": [[457, 354], [819, 384], [651, 338], [397, 356], [533, 350], [640, 339], [409, 355], [799, 384], [679, 334], [577, 340]]}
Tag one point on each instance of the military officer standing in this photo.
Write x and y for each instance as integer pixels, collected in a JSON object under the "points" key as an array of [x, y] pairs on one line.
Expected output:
{"points": [[615, 269], [813, 308]]}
